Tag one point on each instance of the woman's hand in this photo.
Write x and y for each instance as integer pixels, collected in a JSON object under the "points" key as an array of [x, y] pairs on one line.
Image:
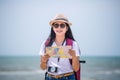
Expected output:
{"points": [[45, 58], [72, 53], [75, 60]]}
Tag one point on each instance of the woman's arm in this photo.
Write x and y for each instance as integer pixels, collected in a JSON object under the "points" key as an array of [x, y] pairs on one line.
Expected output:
{"points": [[44, 60], [75, 60]]}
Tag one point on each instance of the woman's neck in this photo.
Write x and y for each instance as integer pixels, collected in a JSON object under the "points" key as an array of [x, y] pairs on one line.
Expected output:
{"points": [[59, 40]]}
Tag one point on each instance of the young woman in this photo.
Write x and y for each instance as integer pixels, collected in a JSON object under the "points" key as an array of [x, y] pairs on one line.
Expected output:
{"points": [[60, 68]]}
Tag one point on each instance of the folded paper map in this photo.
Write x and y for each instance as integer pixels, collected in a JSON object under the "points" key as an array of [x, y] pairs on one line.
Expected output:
{"points": [[58, 51]]}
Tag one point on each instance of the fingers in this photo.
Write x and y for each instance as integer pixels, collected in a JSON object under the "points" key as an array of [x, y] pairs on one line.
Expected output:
{"points": [[47, 55], [45, 58], [72, 52]]}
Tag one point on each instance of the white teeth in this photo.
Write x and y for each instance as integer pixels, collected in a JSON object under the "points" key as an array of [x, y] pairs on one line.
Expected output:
{"points": [[59, 31]]}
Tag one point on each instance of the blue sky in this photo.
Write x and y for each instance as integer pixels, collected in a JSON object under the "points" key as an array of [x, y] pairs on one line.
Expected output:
{"points": [[24, 24]]}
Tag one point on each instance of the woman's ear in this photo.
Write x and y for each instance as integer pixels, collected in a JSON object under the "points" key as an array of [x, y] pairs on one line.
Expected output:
{"points": [[66, 29]]}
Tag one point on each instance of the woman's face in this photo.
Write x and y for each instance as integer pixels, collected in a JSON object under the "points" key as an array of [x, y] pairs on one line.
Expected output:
{"points": [[59, 28]]}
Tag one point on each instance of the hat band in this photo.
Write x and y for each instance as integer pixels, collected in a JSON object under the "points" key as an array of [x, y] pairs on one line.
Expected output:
{"points": [[61, 19]]}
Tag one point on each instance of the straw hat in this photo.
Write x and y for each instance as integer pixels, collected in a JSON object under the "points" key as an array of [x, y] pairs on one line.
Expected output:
{"points": [[61, 18]]}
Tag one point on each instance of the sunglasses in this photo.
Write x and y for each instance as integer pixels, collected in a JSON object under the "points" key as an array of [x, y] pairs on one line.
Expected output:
{"points": [[56, 25]]}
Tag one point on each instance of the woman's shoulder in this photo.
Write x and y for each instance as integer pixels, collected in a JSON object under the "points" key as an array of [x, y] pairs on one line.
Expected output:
{"points": [[68, 40], [43, 43], [75, 43]]}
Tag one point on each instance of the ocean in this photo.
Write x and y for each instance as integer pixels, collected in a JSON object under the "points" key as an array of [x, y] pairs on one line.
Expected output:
{"points": [[27, 68]]}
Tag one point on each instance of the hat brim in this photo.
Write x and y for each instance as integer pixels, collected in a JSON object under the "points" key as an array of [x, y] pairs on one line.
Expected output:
{"points": [[53, 21]]}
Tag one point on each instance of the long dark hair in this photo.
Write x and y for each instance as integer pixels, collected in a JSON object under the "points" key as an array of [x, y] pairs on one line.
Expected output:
{"points": [[52, 35]]}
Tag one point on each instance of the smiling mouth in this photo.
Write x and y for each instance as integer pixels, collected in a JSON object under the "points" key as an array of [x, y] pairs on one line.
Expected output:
{"points": [[59, 31]]}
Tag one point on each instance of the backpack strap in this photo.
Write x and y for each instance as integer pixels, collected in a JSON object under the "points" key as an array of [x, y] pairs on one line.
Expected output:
{"points": [[46, 43], [70, 43]]}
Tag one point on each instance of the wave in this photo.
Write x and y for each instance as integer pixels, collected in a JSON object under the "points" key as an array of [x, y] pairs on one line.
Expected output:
{"points": [[22, 72], [117, 71], [109, 72]]}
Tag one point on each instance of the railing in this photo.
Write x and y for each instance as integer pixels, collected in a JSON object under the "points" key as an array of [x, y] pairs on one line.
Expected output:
{"points": [[82, 61]]}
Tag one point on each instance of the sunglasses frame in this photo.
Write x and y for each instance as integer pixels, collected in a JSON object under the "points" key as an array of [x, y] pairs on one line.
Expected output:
{"points": [[56, 25]]}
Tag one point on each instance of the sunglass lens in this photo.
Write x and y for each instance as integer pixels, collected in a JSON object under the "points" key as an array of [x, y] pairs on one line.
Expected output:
{"points": [[55, 25], [62, 25]]}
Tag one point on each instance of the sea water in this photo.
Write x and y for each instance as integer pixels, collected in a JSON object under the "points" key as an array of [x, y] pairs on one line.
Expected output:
{"points": [[27, 68]]}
